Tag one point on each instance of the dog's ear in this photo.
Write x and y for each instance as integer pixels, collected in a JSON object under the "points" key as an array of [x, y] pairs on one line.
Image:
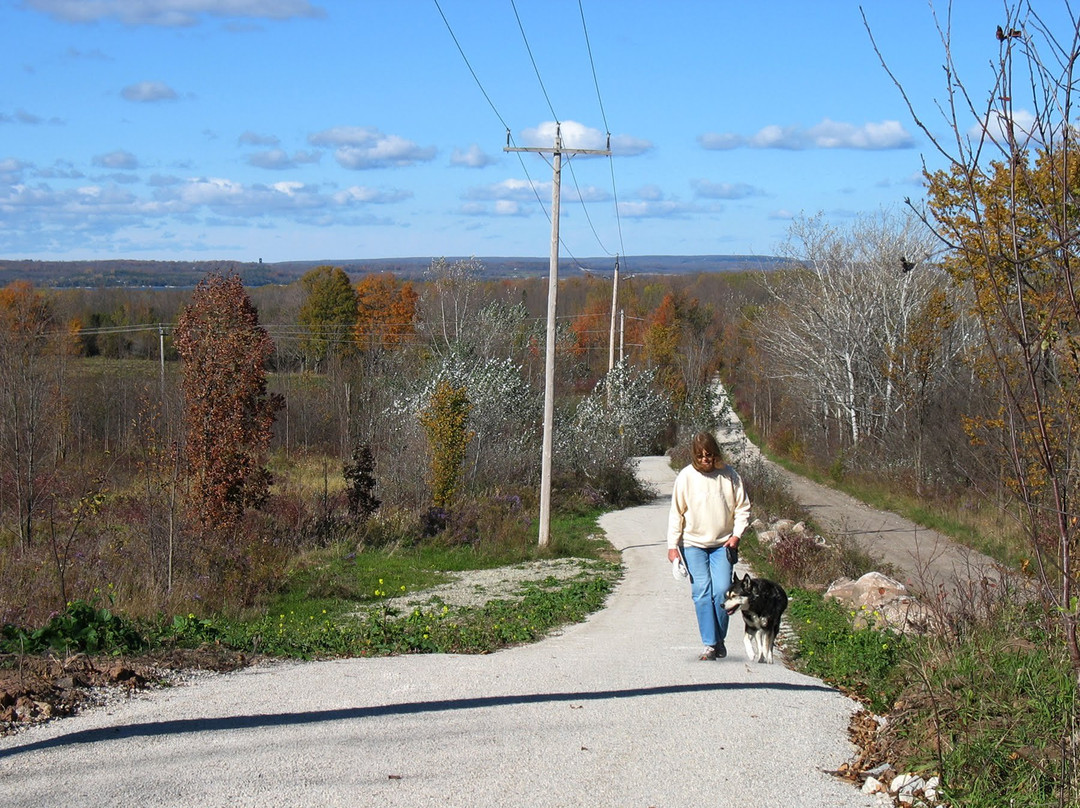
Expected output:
{"points": [[746, 580]]}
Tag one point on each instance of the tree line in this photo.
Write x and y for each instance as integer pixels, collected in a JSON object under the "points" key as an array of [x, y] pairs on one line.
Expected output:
{"points": [[178, 447]]}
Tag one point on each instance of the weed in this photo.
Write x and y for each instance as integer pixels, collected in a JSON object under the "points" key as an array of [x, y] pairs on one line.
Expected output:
{"points": [[862, 662], [81, 628]]}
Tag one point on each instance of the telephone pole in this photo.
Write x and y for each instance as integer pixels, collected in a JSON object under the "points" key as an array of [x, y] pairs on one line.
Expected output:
{"points": [[553, 290]]}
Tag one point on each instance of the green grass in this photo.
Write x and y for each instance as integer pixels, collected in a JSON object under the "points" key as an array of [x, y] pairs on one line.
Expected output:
{"points": [[340, 602], [863, 662], [989, 704]]}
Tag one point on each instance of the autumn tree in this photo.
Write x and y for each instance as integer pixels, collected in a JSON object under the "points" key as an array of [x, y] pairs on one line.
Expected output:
{"points": [[328, 312], [386, 311], [1006, 211], [228, 414], [446, 422]]}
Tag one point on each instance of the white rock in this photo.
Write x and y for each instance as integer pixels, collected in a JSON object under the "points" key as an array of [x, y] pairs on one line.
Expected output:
{"points": [[768, 537], [906, 784], [872, 786]]}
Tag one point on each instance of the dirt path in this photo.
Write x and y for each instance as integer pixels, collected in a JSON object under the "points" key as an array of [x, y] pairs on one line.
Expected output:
{"points": [[927, 562]]}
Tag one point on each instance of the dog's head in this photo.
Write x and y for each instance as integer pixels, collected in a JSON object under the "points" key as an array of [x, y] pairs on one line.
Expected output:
{"points": [[738, 594]]}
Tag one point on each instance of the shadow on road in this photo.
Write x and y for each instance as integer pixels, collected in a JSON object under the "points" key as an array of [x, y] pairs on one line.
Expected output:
{"points": [[229, 723]]}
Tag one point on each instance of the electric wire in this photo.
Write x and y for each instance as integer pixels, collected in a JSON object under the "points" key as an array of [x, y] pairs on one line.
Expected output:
{"points": [[533, 60], [476, 78], [592, 64], [607, 129], [509, 136]]}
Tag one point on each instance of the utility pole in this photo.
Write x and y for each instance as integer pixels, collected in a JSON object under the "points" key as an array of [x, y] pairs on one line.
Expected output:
{"points": [[553, 290], [614, 306]]}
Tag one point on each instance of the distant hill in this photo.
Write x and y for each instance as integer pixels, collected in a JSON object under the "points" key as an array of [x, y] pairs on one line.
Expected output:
{"points": [[128, 272]]}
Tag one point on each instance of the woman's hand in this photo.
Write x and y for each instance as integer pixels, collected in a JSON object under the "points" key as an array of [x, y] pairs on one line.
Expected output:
{"points": [[672, 553]]}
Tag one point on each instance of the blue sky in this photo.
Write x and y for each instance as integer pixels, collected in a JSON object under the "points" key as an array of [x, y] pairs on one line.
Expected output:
{"points": [[342, 129]]}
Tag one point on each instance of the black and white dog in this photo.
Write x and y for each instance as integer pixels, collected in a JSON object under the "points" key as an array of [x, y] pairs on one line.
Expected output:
{"points": [[762, 603]]}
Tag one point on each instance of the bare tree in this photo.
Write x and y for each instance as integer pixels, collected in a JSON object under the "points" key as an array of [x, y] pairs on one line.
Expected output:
{"points": [[840, 327], [32, 349], [1005, 209]]}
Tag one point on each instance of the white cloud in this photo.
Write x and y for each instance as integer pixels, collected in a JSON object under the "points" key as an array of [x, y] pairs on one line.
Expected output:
{"points": [[361, 147], [68, 219], [370, 196], [649, 202], [27, 118], [724, 190], [250, 138], [345, 136], [579, 136], [519, 190], [997, 128], [172, 12], [279, 159], [828, 134], [149, 92], [119, 159], [473, 157]]}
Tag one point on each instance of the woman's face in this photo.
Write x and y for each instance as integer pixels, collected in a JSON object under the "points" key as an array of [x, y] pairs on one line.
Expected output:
{"points": [[704, 460]]}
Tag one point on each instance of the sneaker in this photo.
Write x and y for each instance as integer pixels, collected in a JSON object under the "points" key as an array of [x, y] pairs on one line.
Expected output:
{"points": [[708, 654], [720, 650]]}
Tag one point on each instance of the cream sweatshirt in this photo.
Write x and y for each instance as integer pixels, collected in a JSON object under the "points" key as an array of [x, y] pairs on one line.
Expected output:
{"points": [[707, 508]]}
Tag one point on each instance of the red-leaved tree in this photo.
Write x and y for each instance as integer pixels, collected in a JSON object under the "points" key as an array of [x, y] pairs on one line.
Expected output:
{"points": [[228, 414]]}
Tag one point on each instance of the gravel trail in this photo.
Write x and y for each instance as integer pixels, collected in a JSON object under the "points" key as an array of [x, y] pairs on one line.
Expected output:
{"points": [[615, 711]]}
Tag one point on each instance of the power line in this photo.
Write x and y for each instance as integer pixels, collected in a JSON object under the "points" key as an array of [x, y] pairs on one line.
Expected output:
{"points": [[607, 129], [535, 68], [473, 72], [592, 64]]}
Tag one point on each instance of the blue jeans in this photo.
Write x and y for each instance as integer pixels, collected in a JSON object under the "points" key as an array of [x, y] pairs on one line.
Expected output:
{"points": [[710, 577]]}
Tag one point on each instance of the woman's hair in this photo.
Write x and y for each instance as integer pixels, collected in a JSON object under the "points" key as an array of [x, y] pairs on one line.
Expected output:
{"points": [[706, 442]]}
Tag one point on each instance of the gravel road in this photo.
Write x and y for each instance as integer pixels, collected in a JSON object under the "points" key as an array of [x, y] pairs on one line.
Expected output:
{"points": [[615, 711], [928, 563]]}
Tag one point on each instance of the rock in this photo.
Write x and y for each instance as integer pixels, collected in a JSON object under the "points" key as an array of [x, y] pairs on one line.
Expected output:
{"points": [[783, 525], [880, 602], [24, 708], [906, 784], [872, 786], [841, 589], [768, 537], [71, 682], [871, 590], [121, 673]]}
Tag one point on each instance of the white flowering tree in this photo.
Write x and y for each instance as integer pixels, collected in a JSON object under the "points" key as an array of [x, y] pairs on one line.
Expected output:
{"points": [[619, 419], [504, 416]]}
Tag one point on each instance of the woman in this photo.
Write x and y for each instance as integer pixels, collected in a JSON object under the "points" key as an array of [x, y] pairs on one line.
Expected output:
{"points": [[709, 512]]}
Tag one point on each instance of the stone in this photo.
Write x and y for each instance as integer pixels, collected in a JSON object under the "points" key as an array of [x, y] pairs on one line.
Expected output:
{"points": [[872, 786], [906, 784], [768, 537]]}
